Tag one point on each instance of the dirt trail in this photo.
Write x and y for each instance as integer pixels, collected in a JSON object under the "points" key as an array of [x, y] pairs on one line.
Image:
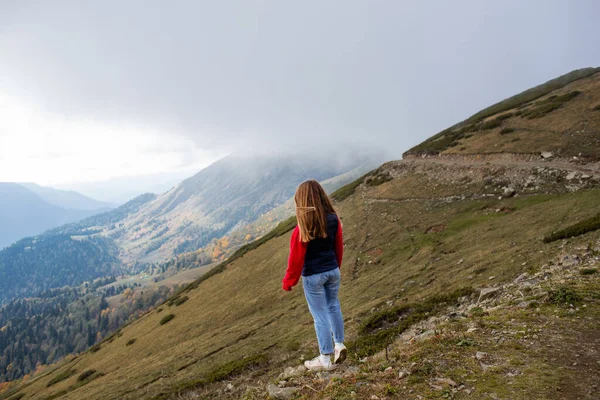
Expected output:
{"points": [[511, 160]]}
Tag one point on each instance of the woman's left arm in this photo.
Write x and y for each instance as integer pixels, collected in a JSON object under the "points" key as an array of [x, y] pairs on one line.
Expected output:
{"points": [[295, 261]]}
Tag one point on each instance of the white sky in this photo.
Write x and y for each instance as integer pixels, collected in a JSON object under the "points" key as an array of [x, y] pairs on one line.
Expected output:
{"points": [[49, 149], [96, 90]]}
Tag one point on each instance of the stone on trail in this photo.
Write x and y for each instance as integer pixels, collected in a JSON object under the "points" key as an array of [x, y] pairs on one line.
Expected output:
{"points": [[487, 293], [546, 154], [279, 393]]}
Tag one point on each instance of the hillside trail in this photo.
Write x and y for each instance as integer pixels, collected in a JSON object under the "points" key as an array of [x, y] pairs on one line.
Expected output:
{"points": [[510, 160]]}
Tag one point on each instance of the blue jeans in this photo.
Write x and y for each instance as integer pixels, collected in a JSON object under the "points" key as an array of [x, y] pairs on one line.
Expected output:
{"points": [[321, 291]]}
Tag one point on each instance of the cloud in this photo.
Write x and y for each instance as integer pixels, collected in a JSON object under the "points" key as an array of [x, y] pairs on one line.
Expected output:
{"points": [[256, 76]]}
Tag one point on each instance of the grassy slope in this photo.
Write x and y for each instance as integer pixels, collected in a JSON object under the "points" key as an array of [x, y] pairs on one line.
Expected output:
{"points": [[572, 129], [242, 311]]}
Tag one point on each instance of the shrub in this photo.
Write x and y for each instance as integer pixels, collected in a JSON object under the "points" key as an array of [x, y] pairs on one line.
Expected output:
{"points": [[580, 228], [491, 124], [550, 104], [588, 271], [166, 319], [377, 332], [95, 348], [378, 178], [61, 377], [504, 116], [563, 296], [181, 300], [597, 108], [130, 342], [506, 130], [86, 375]]}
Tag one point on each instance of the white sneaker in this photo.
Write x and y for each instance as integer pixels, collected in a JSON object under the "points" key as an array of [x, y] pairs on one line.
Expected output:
{"points": [[319, 363], [340, 353]]}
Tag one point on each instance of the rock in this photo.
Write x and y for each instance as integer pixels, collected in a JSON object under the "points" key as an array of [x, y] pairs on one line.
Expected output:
{"points": [[426, 335], [585, 176], [546, 154], [570, 176], [403, 374], [446, 381], [229, 386], [281, 393], [291, 372], [487, 293], [508, 191], [521, 277], [388, 369], [480, 355]]}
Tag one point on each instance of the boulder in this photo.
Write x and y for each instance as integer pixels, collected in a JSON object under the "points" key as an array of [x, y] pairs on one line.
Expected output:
{"points": [[487, 293], [279, 393]]}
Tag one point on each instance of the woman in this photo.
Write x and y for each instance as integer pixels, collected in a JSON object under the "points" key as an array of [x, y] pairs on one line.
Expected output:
{"points": [[316, 251]]}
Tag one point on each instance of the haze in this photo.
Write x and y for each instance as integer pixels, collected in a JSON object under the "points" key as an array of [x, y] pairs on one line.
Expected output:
{"points": [[106, 90]]}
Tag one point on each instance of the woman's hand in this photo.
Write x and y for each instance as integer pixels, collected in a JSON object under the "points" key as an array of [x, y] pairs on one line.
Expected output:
{"points": [[287, 288]]}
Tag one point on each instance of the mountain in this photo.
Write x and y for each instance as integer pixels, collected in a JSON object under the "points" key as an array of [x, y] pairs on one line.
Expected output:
{"points": [[68, 199], [463, 277], [220, 199], [234, 194], [24, 213]]}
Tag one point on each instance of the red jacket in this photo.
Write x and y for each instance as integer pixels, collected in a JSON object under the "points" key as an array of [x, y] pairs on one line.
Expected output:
{"points": [[298, 251]]}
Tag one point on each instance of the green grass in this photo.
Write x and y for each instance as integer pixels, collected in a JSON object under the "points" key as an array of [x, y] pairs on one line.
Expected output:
{"points": [[580, 228], [166, 319]]}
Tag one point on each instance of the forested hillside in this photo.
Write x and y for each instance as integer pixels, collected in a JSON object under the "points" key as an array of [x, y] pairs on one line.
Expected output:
{"points": [[42, 330], [33, 265]]}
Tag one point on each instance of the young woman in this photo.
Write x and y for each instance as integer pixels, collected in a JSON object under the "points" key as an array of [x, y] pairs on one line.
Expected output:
{"points": [[316, 251]]}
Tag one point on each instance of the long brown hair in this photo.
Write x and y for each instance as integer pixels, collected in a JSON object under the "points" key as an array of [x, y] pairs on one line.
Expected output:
{"points": [[312, 207]]}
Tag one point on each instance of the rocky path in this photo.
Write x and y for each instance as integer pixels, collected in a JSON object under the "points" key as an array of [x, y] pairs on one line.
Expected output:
{"points": [[526, 339]]}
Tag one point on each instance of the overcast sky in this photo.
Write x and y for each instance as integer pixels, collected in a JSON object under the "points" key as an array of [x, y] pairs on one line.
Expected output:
{"points": [[94, 90]]}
